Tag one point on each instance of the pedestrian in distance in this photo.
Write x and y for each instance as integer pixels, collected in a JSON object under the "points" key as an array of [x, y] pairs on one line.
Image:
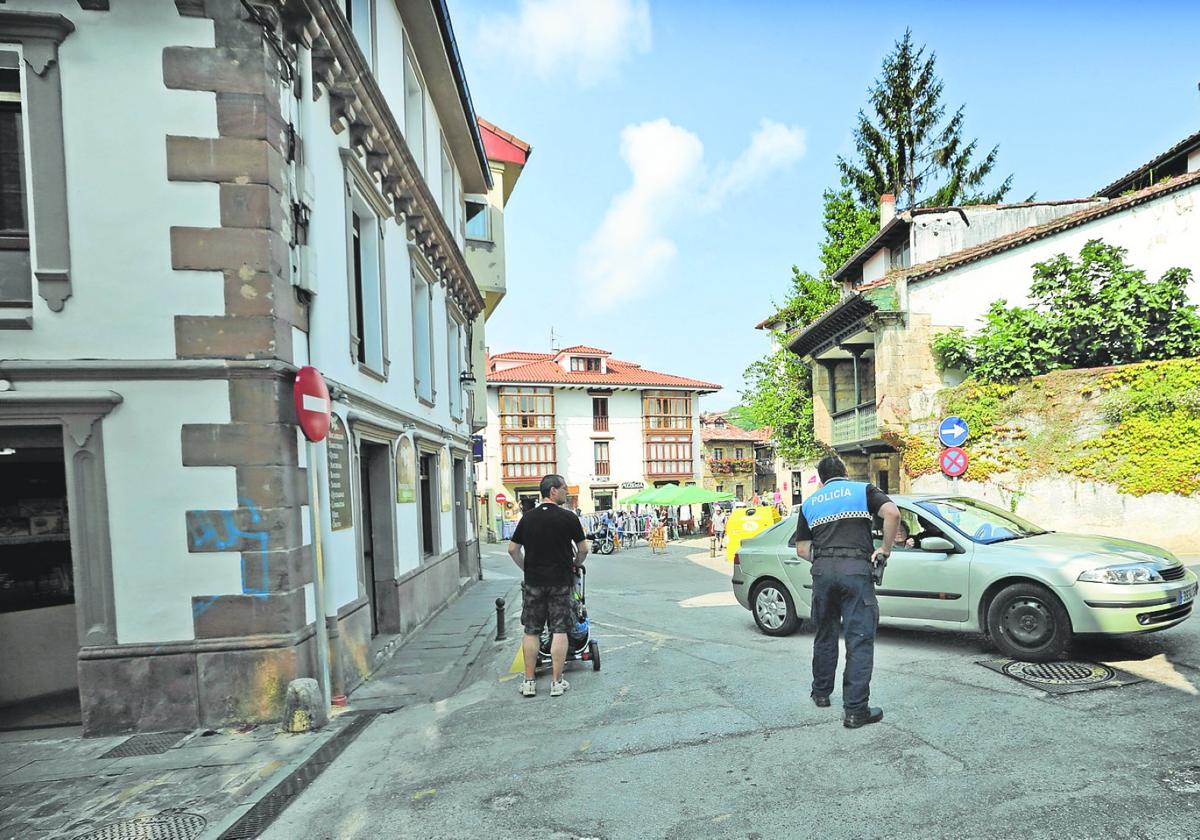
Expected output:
{"points": [[547, 545], [718, 523], [833, 532]]}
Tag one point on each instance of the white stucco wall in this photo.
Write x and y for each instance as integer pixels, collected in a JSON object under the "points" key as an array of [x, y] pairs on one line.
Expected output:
{"points": [[1159, 235], [933, 235], [120, 205]]}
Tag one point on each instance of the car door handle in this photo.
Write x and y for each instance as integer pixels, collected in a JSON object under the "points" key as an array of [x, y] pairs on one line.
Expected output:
{"points": [[796, 562]]}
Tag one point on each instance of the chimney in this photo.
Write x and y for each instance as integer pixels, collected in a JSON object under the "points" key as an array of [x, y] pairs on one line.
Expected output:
{"points": [[887, 209]]}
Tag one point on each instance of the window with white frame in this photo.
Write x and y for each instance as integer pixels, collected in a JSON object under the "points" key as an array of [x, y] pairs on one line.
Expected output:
{"points": [[16, 278], [414, 110], [479, 225], [360, 14], [447, 188], [423, 337], [366, 215], [454, 346]]}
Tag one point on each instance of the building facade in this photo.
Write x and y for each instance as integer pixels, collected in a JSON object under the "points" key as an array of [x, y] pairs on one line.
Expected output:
{"points": [[731, 462], [605, 425], [931, 269], [199, 197]]}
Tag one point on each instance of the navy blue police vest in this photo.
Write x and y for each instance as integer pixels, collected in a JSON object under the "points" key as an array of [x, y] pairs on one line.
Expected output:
{"points": [[838, 499]]}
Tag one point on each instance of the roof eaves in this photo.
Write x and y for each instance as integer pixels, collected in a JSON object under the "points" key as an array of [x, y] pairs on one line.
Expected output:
{"points": [[460, 81], [862, 254], [1182, 147]]}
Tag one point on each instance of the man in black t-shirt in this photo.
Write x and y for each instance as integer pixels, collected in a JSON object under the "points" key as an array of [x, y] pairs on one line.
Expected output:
{"points": [[547, 545], [833, 532]]}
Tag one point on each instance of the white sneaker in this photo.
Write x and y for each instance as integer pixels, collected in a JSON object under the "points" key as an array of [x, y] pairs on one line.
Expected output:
{"points": [[529, 688], [557, 688]]}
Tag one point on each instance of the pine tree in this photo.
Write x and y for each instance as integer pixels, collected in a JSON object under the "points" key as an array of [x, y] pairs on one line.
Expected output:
{"points": [[908, 149]]}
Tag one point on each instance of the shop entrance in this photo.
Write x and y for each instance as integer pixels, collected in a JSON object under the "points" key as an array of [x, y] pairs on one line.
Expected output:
{"points": [[39, 683], [376, 525]]}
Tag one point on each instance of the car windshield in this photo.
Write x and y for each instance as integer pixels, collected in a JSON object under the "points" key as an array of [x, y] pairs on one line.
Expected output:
{"points": [[980, 521]]}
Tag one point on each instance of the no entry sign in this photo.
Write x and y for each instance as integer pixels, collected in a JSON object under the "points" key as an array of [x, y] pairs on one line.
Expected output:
{"points": [[312, 403], [953, 461], [501, 499]]}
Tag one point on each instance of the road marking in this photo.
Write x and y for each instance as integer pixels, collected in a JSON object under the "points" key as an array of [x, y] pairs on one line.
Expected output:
{"points": [[712, 599], [584, 746], [424, 794]]}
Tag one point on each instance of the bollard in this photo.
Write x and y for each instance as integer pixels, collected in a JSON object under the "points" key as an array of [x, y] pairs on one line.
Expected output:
{"points": [[500, 620], [712, 547]]}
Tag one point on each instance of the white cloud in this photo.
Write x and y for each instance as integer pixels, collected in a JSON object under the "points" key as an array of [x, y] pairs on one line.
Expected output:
{"points": [[585, 38], [631, 250]]}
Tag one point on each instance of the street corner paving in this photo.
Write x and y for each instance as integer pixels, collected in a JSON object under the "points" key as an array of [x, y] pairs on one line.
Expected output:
{"points": [[830, 466]]}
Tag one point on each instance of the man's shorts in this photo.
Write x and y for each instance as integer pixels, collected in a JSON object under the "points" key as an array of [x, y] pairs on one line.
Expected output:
{"points": [[542, 605]]}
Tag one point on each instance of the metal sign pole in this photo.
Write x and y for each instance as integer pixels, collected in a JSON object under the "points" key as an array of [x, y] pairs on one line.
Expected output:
{"points": [[314, 513]]}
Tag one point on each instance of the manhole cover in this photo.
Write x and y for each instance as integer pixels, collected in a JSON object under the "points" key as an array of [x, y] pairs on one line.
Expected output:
{"points": [[152, 743], [1059, 673], [166, 826], [1061, 677]]}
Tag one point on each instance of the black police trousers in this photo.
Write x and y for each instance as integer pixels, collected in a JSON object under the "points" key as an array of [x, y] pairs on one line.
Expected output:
{"points": [[846, 604]]}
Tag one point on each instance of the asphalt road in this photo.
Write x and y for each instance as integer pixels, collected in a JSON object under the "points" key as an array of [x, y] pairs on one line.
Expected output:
{"points": [[699, 727]]}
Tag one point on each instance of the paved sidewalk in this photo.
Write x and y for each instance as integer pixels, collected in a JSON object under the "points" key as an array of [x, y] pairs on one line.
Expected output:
{"points": [[56, 784]]}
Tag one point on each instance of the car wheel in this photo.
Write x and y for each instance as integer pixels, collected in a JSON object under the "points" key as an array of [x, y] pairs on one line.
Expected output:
{"points": [[1027, 622], [774, 612]]}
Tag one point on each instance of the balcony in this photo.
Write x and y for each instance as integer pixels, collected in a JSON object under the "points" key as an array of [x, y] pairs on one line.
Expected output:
{"points": [[855, 424], [599, 422]]}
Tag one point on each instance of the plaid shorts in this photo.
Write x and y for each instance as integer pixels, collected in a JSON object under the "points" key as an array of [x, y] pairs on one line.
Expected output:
{"points": [[542, 605]]}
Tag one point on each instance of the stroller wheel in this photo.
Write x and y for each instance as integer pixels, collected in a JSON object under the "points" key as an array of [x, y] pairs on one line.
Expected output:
{"points": [[594, 653]]}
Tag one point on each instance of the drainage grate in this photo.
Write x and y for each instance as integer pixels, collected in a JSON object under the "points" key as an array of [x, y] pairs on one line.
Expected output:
{"points": [[1061, 677], [268, 809], [169, 825], [152, 743]]}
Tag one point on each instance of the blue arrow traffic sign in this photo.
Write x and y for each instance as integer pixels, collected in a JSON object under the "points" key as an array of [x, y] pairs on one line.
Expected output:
{"points": [[952, 431]]}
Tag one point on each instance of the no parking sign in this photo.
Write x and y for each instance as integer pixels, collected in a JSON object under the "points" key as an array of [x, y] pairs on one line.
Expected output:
{"points": [[953, 461]]}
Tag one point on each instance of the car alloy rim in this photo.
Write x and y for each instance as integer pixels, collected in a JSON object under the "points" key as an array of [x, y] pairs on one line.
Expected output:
{"points": [[1028, 622], [771, 608]]}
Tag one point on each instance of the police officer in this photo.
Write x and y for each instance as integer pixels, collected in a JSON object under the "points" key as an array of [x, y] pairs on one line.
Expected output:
{"points": [[833, 532]]}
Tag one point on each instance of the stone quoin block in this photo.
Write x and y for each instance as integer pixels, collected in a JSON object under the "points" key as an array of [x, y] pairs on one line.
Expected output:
{"points": [[262, 400], [247, 615], [218, 69], [273, 486], [250, 293], [250, 529], [222, 337], [234, 160], [251, 206], [238, 445], [252, 117], [277, 571], [228, 249]]}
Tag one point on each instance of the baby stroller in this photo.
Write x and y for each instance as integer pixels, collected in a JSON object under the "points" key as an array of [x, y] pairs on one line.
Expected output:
{"points": [[580, 645]]}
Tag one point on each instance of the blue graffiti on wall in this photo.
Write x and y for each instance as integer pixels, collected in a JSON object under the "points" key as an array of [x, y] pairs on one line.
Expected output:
{"points": [[218, 530]]}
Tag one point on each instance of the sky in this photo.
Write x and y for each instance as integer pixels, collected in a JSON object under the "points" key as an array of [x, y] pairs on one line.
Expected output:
{"points": [[680, 147]]}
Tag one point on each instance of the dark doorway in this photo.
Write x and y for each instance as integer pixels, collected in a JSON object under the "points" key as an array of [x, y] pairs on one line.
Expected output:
{"points": [[882, 482], [428, 495], [376, 524], [465, 569], [39, 685]]}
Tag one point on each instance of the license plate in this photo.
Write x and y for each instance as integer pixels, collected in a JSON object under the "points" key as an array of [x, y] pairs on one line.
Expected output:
{"points": [[1186, 595]]}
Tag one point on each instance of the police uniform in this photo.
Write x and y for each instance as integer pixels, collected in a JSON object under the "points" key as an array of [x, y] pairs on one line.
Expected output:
{"points": [[837, 520]]}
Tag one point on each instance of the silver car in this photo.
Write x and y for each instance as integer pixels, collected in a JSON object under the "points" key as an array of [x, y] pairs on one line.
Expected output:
{"points": [[968, 565]]}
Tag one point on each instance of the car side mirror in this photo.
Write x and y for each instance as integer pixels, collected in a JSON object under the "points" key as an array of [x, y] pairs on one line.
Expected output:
{"points": [[938, 544]]}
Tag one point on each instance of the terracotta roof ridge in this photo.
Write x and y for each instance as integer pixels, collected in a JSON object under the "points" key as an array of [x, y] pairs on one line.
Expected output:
{"points": [[504, 135]]}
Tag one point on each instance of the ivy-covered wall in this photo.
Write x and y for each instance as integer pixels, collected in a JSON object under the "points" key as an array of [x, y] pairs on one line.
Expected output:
{"points": [[1135, 427]]}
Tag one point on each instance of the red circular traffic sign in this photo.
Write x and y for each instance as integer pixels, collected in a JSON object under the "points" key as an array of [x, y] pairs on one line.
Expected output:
{"points": [[501, 499], [312, 403], [953, 461]]}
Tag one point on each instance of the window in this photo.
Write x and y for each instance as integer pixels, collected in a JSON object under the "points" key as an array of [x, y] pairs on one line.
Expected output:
{"points": [[360, 15], [365, 270], [718, 453], [429, 503], [527, 433], [414, 111], [739, 453], [423, 338], [454, 344], [581, 364], [16, 280], [603, 501], [667, 429], [447, 188], [602, 462], [479, 221], [720, 488], [739, 491], [900, 255], [599, 414]]}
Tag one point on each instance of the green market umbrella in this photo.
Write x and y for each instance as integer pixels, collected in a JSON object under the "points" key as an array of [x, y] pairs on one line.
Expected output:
{"points": [[691, 496], [649, 496]]}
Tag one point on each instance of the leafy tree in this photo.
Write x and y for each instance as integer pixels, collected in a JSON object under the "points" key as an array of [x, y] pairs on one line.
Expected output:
{"points": [[848, 225], [778, 393], [907, 146], [1092, 312]]}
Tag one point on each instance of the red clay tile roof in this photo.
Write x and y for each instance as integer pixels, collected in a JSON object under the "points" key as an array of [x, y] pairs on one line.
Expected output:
{"points": [[502, 146], [545, 370], [583, 348], [732, 433], [519, 354], [1036, 232], [1183, 146]]}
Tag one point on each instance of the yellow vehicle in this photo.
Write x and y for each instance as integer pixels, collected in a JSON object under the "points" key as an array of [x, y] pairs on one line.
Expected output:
{"points": [[747, 522]]}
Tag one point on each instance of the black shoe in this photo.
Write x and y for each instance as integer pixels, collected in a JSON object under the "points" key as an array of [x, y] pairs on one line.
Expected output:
{"points": [[821, 700], [871, 715]]}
